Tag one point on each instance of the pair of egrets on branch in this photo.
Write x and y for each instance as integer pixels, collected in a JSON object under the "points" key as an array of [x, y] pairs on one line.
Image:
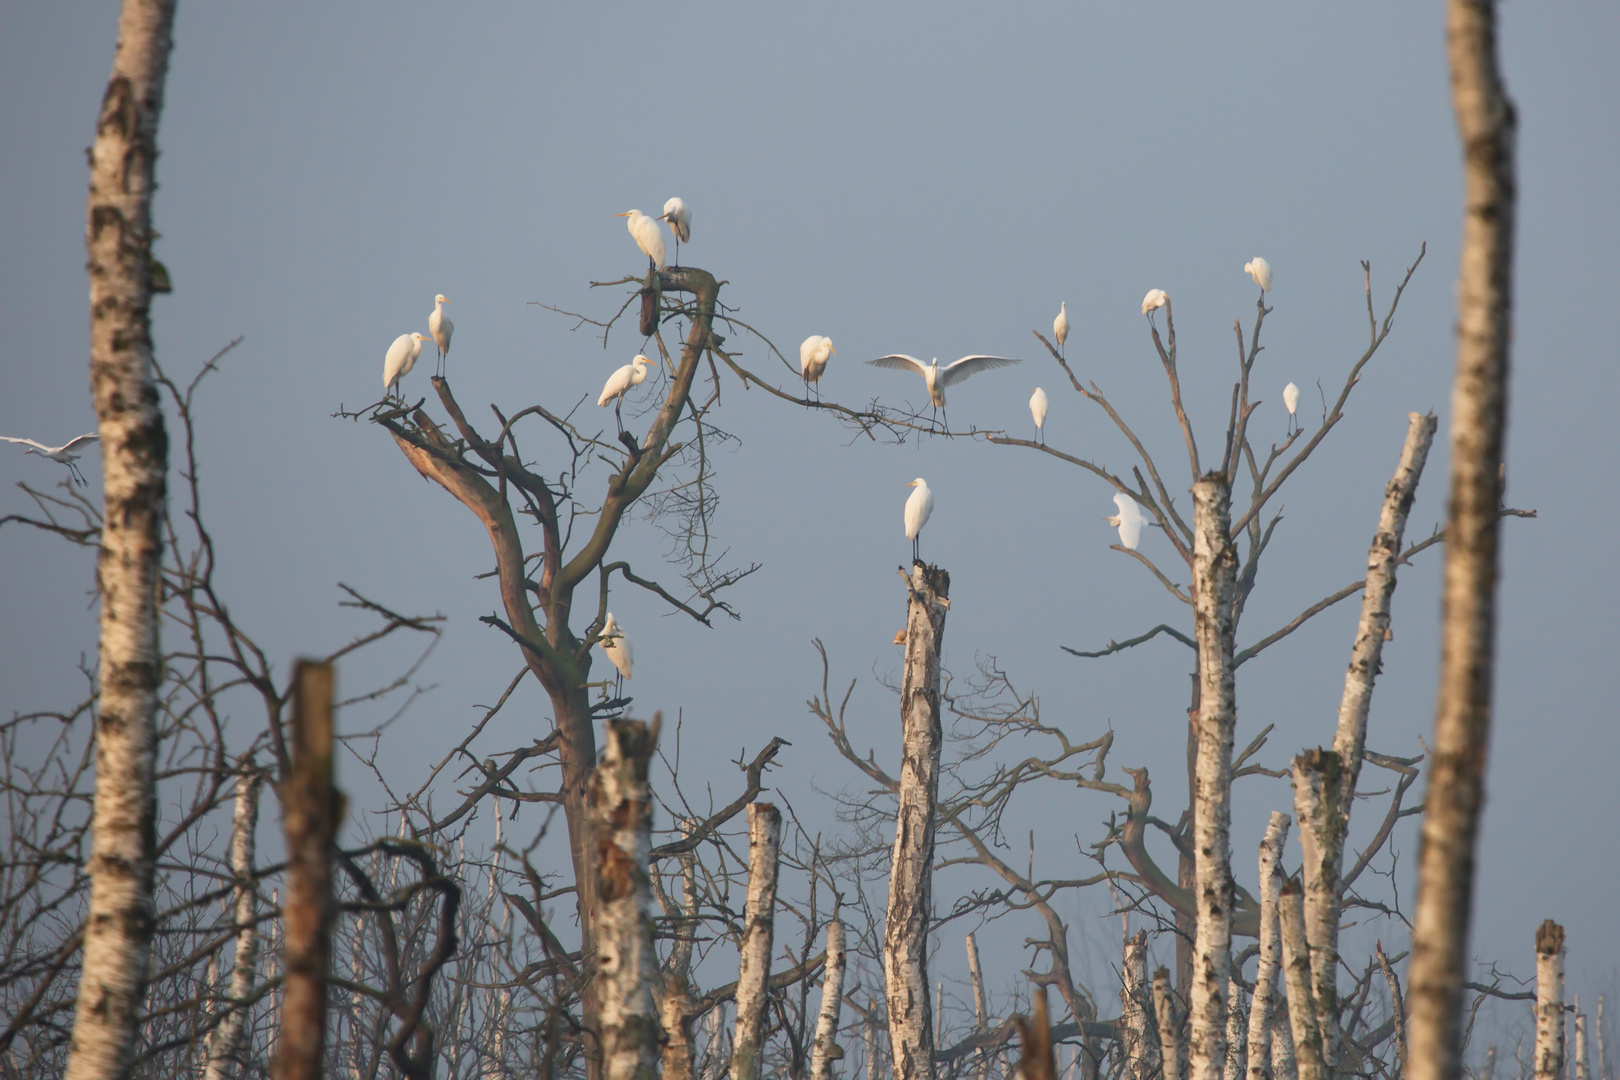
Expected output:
{"points": [[402, 354]]}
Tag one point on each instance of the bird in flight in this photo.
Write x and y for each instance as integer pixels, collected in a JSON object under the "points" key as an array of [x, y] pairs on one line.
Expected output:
{"points": [[1128, 521], [938, 378], [62, 455]]}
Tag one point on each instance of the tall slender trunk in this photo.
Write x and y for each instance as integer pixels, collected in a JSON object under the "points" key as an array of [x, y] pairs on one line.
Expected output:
{"points": [[759, 928], [1263, 1006], [1297, 971], [981, 1012], [1549, 1001], [1397, 1012], [1214, 584], [626, 961], [1485, 118], [1582, 1070], [311, 810], [1597, 1031], [832, 1004], [1172, 1051], [135, 457], [225, 1044], [1237, 1026], [905, 930], [1284, 1063], [1140, 1034], [677, 1005]]}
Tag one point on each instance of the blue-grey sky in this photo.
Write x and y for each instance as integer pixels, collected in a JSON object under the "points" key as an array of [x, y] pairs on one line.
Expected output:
{"points": [[924, 179]]}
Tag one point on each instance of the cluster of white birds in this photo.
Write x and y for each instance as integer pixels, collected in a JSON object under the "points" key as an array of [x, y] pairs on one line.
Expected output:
{"points": [[650, 239], [402, 354]]}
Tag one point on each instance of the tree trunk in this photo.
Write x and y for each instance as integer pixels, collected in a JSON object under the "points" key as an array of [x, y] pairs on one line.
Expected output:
{"points": [[1582, 1071], [677, 1005], [905, 931], [1237, 1026], [1597, 1031], [311, 809], [626, 961], [1263, 1006], [1397, 1012], [1172, 1052], [134, 455], [1296, 959], [1214, 584], [832, 1003], [225, 1044], [981, 1011], [1284, 1065], [1549, 1001], [1456, 793], [1320, 788], [759, 915], [1139, 1033]]}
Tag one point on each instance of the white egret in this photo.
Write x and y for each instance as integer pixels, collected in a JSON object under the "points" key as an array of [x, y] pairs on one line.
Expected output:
{"points": [[616, 647], [1154, 300], [1060, 325], [62, 455], [1260, 270], [919, 507], [1128, 520], [813, 353], [938, 378], [1291, 401], [619, 384], [1037, 409], [440, 328], [645, 232], [680, 223], [401, 358]]}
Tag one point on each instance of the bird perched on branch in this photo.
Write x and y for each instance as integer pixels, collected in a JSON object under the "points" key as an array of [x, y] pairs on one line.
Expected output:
{"points": [[62, 455], [1060, 325], [1128, 520], [616, 647], [938, 378], [1154, 300], [401, 358], [813, 354], [1290, 401], [680, 223], [1037, 409], [1260, 270], [619, 384], [919, 507], [645, 232], [440, 327]]}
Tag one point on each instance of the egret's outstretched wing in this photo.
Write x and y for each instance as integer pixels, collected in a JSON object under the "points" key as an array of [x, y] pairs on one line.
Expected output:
{"points": [[89, 437], [901, 362], [971, 365], [25, 442]]}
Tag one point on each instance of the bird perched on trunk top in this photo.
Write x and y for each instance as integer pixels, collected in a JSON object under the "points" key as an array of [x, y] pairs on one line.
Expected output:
{"points": [[440, 327], [645, 232], [401, 358], [1260, 270], [938, 378], [919, 508], [680, 223]]}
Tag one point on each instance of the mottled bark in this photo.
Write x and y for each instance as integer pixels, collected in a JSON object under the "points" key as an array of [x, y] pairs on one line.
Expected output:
{"points": [[1296, 962], [225, 1044], [905, 931], [1237, 1025], [1172, 1051], [1284, 1065], [134, 454], [759, 915], [825, 1050], [311, 811], [1582, 1070], [1215, 566], [1440, 956], [1263, 1006], [626, 962], [1139, 1033], [1397, 1011], [1319, 793], [1549, 1061]]}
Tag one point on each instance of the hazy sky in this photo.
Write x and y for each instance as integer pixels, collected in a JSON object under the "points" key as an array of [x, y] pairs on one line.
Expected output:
{"points": [[923, 179]]}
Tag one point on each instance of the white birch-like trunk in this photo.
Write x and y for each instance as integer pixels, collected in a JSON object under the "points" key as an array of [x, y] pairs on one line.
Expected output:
{"points": [[1397, 1010], [134, 452], [759, 928], [1549, 1061], [1237, 1026], [1319, 789], [1140, 1033], [1284, 1065], [1296, 959], [1214, 583], [1264, 1003], [1597, 1032], [1172, 1052], [869, 1035], [905, 930], [626, 961], [677, 1006], [1582, 1071], [225, 1044], [832, 1003], [495, 1061], [981, 1067]]}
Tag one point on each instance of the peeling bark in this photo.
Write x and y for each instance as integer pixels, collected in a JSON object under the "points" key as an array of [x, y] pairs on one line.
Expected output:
{"points": [[1297, 971], [759, 915], [825, 1051], [225, 1044], [905, 931], [1263, 1007], [1549, 1001]]}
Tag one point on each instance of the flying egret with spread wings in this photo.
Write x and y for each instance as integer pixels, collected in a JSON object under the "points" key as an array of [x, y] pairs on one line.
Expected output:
{"points": [[1128, 520], [401, 358], [919, 507], [62, 455], [813, 354], [440, 328], [680, 223], [644, 230], [938, 378]]}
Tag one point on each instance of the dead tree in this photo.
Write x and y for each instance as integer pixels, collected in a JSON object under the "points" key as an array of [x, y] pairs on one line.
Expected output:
{"points": [[1262, 1010], [754, 974], [1549, 1061], [1296, 961]]}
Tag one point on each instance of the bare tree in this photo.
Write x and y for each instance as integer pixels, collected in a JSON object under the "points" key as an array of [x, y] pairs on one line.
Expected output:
{"points": [[1549, 1061]]}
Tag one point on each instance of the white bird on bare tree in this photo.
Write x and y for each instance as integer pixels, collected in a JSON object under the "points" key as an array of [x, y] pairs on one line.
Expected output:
{"points": [[919, 507], [1128, 520], [644, 230], [62, 455], [619, 384], [680, 223], [1153, 301], [440, 328], [1291, 401], [1260, 270], [1060, 325], [401, 358], [938, 378], [616, 647], [813, 354], [1037, 409]]}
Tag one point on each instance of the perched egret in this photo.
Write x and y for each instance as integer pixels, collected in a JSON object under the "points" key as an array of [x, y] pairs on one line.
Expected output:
{"points": [[1060, 325], [1128, 520], [619, 384], [440, 328], [813, 354], [401, 358], [1154, 300], [645, 232], [616, 647], [1291, 401], [938, 378], [918, 509], [62, 455], [680, 223], [1037, 409], [1260, 270]]}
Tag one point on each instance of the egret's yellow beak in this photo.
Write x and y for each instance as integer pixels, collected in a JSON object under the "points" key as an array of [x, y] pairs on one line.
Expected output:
{"points": [[625, 214], [912, 484], [832, 350]]}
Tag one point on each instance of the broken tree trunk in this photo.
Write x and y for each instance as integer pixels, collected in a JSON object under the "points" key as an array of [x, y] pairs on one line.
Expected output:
{"points": [[225, 1044], [135, 457], [1214, 583], [905, 931], [825, 1051], [981, 1014], [677, 1005], [1440, 956], [759, 915], [1296, 959], [1549, 1001], [1263, 1006], [626, 962]]}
